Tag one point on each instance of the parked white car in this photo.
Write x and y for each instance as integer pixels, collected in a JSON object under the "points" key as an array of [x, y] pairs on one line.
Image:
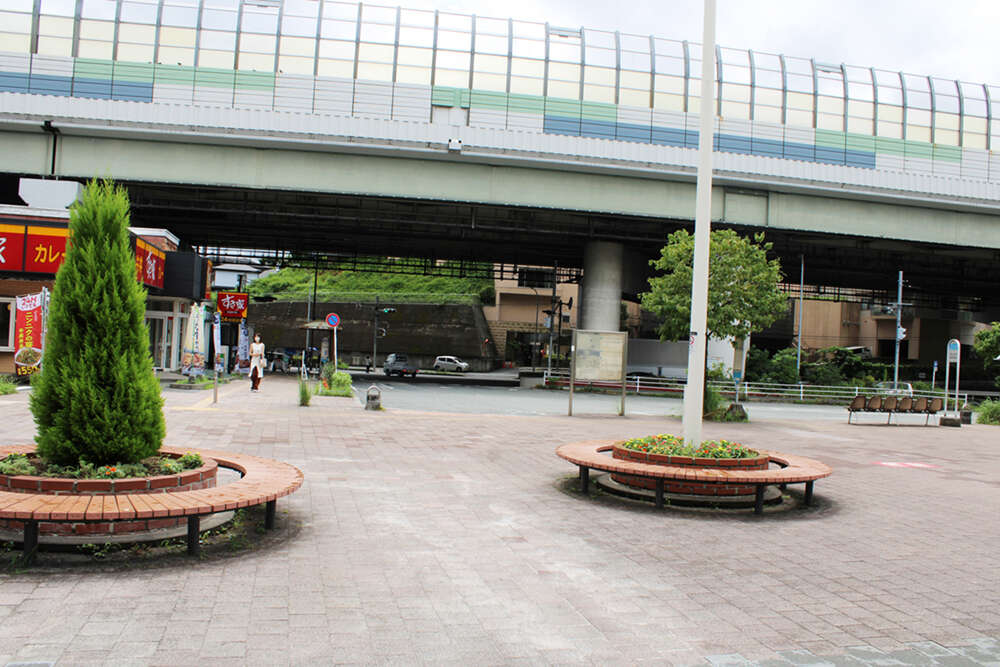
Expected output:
{"points": [[902, 389], [450, 364]]}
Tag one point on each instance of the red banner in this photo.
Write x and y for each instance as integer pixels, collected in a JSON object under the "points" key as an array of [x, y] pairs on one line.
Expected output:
{"points": [[45, 249], [11, 247], [149, 264], [232, 306], [28, 334]]}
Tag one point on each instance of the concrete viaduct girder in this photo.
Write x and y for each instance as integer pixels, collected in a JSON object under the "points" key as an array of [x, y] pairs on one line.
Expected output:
{"points": [[559, 208]]}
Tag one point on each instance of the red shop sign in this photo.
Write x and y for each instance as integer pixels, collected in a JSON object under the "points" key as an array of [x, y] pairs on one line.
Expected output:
{"points": [[45, 249], [149, 264], [232, 306], [11, 247], [28, 334]]}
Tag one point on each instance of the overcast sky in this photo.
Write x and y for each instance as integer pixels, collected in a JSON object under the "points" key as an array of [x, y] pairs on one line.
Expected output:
{"points": [[952, 39]]}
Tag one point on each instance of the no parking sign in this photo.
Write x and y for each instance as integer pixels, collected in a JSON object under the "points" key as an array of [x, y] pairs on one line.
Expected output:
{"points": [[332, 321]]}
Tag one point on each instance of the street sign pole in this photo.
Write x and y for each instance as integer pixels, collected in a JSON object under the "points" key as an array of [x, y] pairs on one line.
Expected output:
{"points": [[953, 354]]}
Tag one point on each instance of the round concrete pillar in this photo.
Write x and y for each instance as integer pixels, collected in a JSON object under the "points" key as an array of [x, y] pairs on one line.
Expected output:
{"points": [[602, 286]]}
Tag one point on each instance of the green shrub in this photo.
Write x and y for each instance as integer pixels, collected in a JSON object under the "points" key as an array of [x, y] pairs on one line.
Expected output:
{"points": [[20, 464], [782, 367], [16, 464], [304, 393], [97, 397], [988, 412], [717, 372], [712, 400], [7, 385], [827, 374], [671, 445]]}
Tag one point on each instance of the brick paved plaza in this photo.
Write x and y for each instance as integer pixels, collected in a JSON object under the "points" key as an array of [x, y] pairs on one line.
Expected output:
{"points": [[432, 538]]}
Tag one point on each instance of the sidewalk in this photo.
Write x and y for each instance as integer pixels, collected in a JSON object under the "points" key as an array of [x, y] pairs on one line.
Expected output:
{"points": [[429, 538]]}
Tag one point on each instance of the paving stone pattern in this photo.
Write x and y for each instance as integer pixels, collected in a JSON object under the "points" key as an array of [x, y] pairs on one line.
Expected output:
{"points": [[456, 539]]}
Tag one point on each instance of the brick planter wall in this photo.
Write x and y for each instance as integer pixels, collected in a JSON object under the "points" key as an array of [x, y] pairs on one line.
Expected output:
{"points": [[688, 487], [189, 480]]}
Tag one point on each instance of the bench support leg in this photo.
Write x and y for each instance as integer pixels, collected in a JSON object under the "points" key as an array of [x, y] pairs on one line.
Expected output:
{"points": [[659, 492], [758, 500], [584, 479], [807, 500], [193, 543], [29, 547], [269, 509]]}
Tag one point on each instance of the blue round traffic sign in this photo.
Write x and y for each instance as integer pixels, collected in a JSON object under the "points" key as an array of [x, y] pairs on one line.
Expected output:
{"points": [[333, 319]]}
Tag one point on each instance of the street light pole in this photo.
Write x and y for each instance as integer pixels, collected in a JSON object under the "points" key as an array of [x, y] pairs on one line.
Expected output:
{"points": [[694, 390], [375, 336], [899, 316], [552, 306], [802, 282], [534, 333]]}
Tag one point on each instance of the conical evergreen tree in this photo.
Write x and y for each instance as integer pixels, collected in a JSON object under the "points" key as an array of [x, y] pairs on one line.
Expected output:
{"points": [[97, 397]]}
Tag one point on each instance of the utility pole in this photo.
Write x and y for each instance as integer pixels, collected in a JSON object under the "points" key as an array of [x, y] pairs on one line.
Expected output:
{"points": [[375, 336], [694, 391], [310, 309], [899, 331], [552, 306], [802, 281]]}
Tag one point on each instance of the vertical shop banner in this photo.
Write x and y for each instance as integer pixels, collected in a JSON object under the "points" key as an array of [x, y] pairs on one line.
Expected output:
{"points": [[232, 306], [45, 249], [149, 264], [220, 365], [11, 247], [28, 334], [243, 350], [193, 349]]}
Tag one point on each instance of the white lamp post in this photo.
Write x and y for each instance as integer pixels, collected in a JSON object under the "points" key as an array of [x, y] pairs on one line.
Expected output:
{"points": [[694, 392]]}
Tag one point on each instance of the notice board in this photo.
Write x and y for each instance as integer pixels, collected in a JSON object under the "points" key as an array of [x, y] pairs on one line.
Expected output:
{"points": [[598, 356]]}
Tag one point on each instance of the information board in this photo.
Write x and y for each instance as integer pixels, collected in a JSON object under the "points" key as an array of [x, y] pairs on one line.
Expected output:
{"points": [[598, 356]]}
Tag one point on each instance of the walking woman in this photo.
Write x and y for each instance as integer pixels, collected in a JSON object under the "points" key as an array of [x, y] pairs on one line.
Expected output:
{"points": [[256, 362]]}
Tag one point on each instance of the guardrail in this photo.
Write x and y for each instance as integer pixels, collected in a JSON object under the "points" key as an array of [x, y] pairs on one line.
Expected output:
{"points": [[646, 385]]}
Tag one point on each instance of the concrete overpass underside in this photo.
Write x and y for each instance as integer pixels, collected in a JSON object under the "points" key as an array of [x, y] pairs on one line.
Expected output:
{"points": [[363, 201]]}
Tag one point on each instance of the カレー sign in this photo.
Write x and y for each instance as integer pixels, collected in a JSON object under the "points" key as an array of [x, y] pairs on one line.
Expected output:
{"points": [[232, 306], [45, 249], [28, 334]]}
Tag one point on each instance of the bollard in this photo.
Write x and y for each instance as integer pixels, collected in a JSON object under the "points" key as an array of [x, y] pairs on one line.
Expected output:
{"points": [[373, 398]]}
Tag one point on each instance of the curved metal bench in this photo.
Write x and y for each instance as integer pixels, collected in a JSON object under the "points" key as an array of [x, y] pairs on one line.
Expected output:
{"points": [[793, 469], [262, 481]]}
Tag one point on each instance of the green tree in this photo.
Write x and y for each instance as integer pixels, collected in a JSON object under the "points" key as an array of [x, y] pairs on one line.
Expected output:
{"points": [[97, 397], [987, 346], [743, 293]]}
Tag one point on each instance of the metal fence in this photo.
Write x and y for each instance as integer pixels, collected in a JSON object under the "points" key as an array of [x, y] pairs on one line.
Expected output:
{"points": [[656, 386]]}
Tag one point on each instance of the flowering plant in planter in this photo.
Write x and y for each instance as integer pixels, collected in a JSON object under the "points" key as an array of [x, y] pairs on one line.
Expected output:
{"points": [[668, 444]]}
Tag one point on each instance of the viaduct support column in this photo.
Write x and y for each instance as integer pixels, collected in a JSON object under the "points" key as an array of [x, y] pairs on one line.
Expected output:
{"points": [[602, 286]]}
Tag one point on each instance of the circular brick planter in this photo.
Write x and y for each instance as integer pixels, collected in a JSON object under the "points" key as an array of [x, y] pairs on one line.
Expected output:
{"points": [[189, 480], [688, 488]]}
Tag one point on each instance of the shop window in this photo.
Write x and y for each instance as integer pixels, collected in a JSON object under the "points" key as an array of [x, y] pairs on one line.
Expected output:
{"points": [[6, 324]]}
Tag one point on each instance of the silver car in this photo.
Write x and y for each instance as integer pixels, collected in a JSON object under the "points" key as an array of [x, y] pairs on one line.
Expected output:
{"points": [[902, 389], [450, 364]]}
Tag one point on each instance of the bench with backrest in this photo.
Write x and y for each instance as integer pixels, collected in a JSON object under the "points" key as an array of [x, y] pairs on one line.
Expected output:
{"points": [[262, 481], [891, 405], [792, 470]]}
